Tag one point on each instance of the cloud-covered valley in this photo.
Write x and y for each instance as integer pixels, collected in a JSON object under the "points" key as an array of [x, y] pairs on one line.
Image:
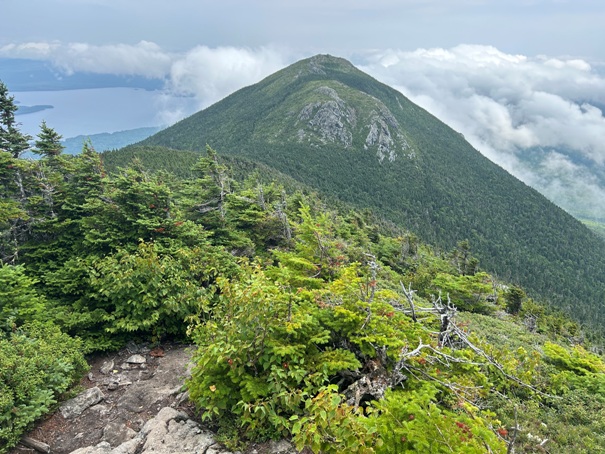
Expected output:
{"points": [[539, 117]]}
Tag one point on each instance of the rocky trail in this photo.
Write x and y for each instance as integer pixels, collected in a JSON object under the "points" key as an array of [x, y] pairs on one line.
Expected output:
{"points": [[133, 403]]}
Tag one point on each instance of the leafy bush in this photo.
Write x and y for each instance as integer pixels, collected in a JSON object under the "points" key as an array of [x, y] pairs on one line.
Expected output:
{"points": [[412, 421], [270, 356], [152, 290], [38, 363], [19, 301], [262, 354]]}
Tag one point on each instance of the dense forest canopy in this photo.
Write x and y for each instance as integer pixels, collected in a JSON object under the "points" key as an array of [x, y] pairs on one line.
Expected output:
{"points": [[313, 320]]}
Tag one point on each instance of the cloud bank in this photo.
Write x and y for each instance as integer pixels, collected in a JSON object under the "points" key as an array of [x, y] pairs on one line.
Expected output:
{"points": [[207, 74], [142, 59], [538, 117]]}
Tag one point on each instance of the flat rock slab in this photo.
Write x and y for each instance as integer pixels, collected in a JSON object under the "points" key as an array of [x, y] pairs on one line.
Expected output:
{"points": [[76, 406], [170, 432]]}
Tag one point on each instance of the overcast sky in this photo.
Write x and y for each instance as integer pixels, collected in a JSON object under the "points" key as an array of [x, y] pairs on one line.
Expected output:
{"points": [[530, 27], [509, 74]]}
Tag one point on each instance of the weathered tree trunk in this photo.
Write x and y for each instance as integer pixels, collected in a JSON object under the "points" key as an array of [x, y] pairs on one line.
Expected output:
{"points": [[35, 444]]}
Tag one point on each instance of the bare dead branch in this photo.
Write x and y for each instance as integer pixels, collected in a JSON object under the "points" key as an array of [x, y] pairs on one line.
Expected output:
{"points": [[409, 294], [511, 444]]}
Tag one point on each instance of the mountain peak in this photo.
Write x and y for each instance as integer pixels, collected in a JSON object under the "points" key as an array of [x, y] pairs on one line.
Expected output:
{"points": [[323, 64]]}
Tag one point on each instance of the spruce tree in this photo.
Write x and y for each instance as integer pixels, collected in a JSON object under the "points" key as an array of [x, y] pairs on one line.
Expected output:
{"points": [[49, 142], [11, 139]]}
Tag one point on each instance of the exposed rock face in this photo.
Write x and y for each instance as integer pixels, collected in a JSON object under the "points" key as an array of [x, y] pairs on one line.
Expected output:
{"points": [[170, 432], [335, 121], [315, 66], [332, 120], [380, 135]]}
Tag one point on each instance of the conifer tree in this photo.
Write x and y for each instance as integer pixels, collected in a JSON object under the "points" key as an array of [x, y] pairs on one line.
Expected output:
{"points": [[49, 142], [11, 139]]}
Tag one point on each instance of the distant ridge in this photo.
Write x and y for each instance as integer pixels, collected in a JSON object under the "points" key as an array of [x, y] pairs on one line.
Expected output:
{"points": [[333, 127], [108, 140]]}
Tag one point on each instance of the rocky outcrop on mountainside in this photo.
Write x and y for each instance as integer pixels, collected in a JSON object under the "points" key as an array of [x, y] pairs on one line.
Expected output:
{"points": [[335, 121], [332, 120], [381, 137], [134, 403]]}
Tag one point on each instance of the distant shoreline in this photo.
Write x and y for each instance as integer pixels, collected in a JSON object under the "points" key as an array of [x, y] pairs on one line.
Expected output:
{"points": [[25, 110]]}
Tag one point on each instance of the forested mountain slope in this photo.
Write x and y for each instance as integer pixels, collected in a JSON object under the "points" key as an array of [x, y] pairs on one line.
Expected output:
{"points": [[330, 126]]}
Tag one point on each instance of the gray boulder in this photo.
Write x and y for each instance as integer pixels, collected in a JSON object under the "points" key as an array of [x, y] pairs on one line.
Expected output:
{"points": [[76, 406]]}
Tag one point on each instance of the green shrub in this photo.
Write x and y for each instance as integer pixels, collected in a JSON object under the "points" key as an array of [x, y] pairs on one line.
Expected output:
{"points": [[514, 299], [19, 301], [468, 292], [270, 356], [260, 356], [38, 363], [412, 421]]}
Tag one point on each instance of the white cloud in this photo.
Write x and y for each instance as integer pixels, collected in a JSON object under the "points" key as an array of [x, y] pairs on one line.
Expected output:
{"points": [[34, 50], [143, 59], [210, 74], [509, 105], [509, 101]]}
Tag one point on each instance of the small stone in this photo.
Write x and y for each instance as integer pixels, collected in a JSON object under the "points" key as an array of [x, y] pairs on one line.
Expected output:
{"points": [[182, 397], [136, 359], [125, 366], [145, 374], [281, 447], [176, 390], [91, 376], [107, 367], [132, 347], [117, 432], [113, 386]]}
